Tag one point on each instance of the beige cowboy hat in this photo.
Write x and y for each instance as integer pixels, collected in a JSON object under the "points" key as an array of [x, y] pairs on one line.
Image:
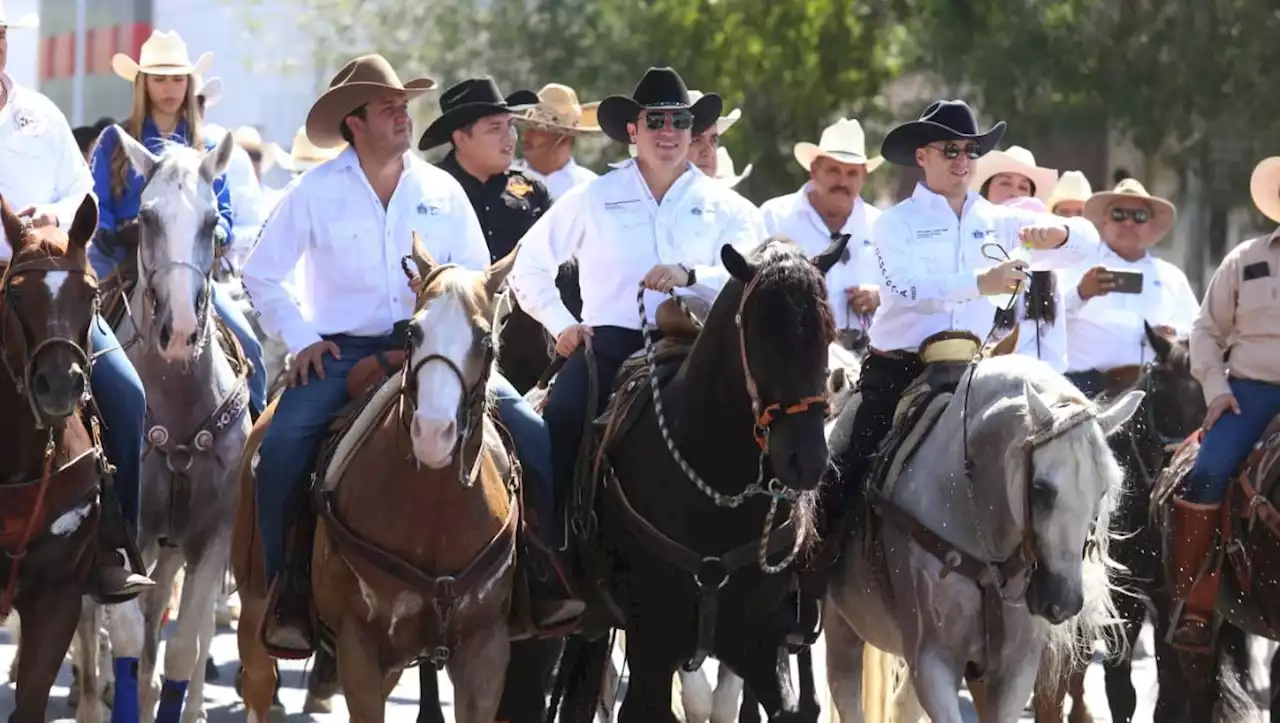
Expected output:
{"points": [[843, 142], [351, 88], [724, 122], [559, 111], [248, 138], [1072, 186], [1264, 186], [1163, 213], [303, 155], [724, 168], [164, 53], [30, 20], [210, 90], [1017, 160]]}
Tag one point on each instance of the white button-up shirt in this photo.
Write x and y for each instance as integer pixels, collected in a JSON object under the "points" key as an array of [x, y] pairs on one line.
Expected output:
{"points": [[40, 162], [930, 260], [350, 247], [617, 231], [559, 182], [1107, 331], [793, 216]]}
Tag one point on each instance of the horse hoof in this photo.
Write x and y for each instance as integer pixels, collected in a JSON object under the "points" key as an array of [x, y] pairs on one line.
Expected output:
{"points": [[317, 705], [1080, 714], [196, 715]]}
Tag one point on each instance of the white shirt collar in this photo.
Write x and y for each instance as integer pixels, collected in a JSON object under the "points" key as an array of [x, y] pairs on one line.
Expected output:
{"points": [[935, 202], [804, 206]]}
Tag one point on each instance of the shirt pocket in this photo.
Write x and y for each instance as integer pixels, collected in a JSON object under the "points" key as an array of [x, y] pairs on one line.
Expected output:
{"points": [[351, 250], [1256, 301]]}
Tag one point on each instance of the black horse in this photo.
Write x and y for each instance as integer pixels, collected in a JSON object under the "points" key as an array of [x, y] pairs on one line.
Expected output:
{"points": [[676, 555]]}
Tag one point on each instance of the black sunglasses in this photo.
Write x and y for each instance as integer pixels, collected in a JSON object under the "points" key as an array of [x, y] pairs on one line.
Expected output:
{"points": [[1139, 215], [681, 120], [951, 151]]}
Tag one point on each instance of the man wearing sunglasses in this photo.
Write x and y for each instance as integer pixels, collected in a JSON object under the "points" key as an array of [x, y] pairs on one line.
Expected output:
{"points": [[1113, 295], [934, 272]]}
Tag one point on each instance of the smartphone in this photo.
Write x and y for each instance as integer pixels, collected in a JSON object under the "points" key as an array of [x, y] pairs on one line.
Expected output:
{"points": [[1127, 282]]}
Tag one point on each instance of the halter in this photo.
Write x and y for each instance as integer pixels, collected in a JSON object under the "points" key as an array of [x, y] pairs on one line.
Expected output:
{"points": [[203, 304]]}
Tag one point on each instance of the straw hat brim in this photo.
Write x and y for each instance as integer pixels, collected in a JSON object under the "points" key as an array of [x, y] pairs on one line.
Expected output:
{"points": [[1264, 186], [128, 68], [806, 153], [725, 122], [588, 123], [997, 162], [334, 105], [732, 181], [1163, 213]]}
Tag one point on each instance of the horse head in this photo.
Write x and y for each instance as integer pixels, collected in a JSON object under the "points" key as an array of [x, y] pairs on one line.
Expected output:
{"points": [[177, 215], [450, 355], [784, 327], [1175, 405], [48, 301]]}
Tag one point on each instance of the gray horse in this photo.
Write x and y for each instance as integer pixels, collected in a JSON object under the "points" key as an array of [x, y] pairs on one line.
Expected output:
{"points": [[1036, 446], [197, 418]]}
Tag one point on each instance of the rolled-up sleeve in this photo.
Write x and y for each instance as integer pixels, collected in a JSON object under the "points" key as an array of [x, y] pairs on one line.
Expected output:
{"points": [[1213, 327], [554, 239], [284, 238], [1082, 237], [903, 275]]}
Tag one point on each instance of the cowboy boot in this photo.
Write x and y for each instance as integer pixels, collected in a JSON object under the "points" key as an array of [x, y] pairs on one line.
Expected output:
{"points": [[287, 631], [113, 579], [552, 603], [1195, 528]]}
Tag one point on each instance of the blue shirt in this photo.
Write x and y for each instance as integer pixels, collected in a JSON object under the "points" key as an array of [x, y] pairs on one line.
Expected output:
{"points": [[114, 211]]}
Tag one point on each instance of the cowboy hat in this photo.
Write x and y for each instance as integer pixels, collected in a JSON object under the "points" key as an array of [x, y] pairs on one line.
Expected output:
{"points": [[659, 89], [353, 86], [1264, 186], [30, 20], [724, 168], [164, 53], [1073, 186], [724, 122], [303, 155], [558, 111], [248, 138], [210, 90], [944, 120], [1163, 213], [842, 141], [1017, 160], [469, 101]]}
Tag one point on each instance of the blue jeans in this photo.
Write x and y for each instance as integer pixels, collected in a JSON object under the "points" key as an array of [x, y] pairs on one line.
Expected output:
{"points": [[228, 312], [533, 447], [1230, 440], [123, 403]]}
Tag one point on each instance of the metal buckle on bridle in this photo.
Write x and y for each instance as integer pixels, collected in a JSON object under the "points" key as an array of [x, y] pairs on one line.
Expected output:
{"points": [[711, 566]]}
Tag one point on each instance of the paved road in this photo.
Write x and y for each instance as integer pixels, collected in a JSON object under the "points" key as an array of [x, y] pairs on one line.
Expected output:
{"points": [[223, 706]]}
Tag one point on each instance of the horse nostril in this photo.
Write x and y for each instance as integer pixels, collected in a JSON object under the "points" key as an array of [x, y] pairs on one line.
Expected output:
{"points": [[40, 384], [78, 383], [191, 340], [166, 334], [1055, 612], [448, 430]]}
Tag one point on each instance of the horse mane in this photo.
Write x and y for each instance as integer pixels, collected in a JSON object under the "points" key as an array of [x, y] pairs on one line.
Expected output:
{"points": [[790, 295]]}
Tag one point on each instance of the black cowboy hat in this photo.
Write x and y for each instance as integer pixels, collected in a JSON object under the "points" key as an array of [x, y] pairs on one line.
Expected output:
{"points": [[945, 120], [659, 89], [469, 101]]}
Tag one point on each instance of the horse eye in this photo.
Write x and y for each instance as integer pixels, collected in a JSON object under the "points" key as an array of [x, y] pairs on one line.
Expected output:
{"points": [[415, 335], [1043, 494]]}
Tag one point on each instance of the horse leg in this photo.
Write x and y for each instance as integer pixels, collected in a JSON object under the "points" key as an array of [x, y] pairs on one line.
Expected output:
{"points": [[50, 618], [182, 655], [769, 678], [195, 713], [844, 666], [524, 696], [90, 707], [936, 677], [154, 604], [1007, 693], [15, 628], [359, 673], [106, 665], [729, 688], [1118, 668], [649, 692], [1050, 693], [1075, 686], [322, 684], [429, 694], [477, 668], [609, 680], [257, 669], [126, 628], [695, 695], [1275, 686]]}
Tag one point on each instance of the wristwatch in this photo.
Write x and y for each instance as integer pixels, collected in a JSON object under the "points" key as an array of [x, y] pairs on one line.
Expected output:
{"points": [[692, 277]]}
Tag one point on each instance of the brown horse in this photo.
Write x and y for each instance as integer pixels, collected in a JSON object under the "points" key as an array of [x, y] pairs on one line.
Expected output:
{"points": [[414, 554], [52, 463]]}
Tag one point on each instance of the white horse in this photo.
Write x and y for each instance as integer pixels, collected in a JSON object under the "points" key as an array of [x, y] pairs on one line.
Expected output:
{"points": [[1036, 446]]}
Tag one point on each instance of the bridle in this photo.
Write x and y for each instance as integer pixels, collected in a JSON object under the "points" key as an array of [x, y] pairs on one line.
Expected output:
{"points": [[9, 303]]}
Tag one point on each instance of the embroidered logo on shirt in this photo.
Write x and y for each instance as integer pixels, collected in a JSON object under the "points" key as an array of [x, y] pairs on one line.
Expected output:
{"points": [[929, 233], [518, 187], [866, 242], [425, 210], [696, 210], [979, 234], [26, 123], [619, 205]]}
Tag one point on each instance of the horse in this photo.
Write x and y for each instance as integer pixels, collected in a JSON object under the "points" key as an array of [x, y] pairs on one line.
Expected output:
{"points": [[52, 469], [1029, 470], [390, 587], [671, 542], [195, 377]]}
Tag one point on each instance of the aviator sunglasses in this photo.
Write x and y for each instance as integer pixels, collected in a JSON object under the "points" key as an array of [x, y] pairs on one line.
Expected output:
{"points": [[951, 151], [681, 120], [1139, 215]]}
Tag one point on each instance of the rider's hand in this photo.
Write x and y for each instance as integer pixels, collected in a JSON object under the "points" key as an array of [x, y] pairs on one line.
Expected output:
{"points": [[39, 218], [1002, 279], [1097, 281], [863, 299], [665, 277], [311, 358], [570, 338], [1218, 406], [1042, 237]]}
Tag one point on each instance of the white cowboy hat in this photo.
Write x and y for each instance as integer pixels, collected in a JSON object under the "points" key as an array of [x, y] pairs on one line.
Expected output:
{"points": [[1073, 186], [248, 138], [303, 155], [842, 141], [30, 20], [210, 90], [558, 110], [1015, 160], [724, 168], [164, 53], [725, 122], [1163, 213], [1264, 186]]}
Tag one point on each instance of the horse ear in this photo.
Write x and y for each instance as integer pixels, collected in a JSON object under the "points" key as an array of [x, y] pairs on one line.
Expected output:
{"points": [[421, 257], [85, 222], [737, 265], [828, 258], [1160, 344], [1114, 416], [1037, 408], [496, 274], [12, 226], [142, 160], [215, 162]]}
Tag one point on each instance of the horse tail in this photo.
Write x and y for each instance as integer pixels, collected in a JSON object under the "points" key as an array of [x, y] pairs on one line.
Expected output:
{"points": [[246, 547]]}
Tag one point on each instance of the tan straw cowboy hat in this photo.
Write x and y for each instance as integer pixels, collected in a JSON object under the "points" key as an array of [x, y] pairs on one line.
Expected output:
{"points": [[724, 168], [558, 111], [303, 155], [353, 86], [30, 20], [248, 138], [1017, 160], [164, 53], [1264, 186], [843, 141], [1073, 186], [1163, 213], [725, 122]]}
